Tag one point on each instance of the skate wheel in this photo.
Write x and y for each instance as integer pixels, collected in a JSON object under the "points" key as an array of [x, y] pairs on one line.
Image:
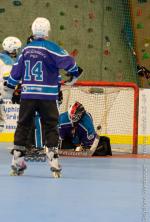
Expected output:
{"points": [[37, 159], [20, 173], [56, 174], [12, 173]]}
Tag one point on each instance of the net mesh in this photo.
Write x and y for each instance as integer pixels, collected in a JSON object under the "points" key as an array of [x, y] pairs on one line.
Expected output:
{"points": [[98, 33], [110, 107]]}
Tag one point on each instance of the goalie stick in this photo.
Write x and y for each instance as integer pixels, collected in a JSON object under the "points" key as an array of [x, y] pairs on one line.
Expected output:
{"points": [[85, 153]]}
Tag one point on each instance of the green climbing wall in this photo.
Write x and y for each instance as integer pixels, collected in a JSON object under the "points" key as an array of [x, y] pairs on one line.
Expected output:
{"points": [[96, 32], [141, 22]]}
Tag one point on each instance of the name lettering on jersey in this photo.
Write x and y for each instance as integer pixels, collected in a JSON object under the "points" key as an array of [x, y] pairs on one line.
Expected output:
{"points": [[34, 51]]}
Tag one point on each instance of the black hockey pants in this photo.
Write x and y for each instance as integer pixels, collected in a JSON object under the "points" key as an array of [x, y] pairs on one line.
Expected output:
{"points": [[49, 114]]}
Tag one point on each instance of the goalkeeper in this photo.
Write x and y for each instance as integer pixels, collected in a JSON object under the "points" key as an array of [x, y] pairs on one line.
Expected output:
{"points": [[76, 130]]}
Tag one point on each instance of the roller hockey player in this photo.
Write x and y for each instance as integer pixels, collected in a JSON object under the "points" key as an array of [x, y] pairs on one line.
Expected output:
{"points": [[38, 68], [77, 131], [10, 45]]}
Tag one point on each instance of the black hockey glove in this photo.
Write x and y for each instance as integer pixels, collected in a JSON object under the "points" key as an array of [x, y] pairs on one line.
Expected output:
{"points": [[60, 97], [16, 95], [72, 79], [142, 71]]}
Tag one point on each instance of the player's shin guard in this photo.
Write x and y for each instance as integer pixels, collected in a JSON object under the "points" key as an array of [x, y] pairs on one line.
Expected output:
{"points": [[52, 155], [18, 163]]}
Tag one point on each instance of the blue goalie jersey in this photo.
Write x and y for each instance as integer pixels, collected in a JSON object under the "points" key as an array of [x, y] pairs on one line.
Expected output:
{"points": [[82, 134]]}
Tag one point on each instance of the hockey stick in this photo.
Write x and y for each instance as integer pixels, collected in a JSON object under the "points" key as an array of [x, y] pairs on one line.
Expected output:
{"points": [[85, 153]]}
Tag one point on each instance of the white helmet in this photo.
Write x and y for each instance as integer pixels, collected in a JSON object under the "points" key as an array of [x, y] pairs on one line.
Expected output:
{"points": [[11, 44], [41, 27]]}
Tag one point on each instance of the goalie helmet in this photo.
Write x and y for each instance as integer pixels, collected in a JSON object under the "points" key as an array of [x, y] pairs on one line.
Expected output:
{"points": [[41, 27], [11, 44], [76, 112]]}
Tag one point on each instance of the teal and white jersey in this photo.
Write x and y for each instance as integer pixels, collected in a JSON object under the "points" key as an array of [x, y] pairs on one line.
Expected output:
{"points": [[6, 63]]}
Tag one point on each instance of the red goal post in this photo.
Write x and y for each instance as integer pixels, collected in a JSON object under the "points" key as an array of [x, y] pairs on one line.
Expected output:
{"points": [[114, 105]]}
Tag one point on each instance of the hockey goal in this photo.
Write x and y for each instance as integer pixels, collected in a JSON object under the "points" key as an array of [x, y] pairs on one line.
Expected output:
{"points": [[113, 105]]}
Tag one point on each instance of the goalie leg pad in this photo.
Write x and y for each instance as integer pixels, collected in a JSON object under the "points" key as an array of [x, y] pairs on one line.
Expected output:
{"points": [[104, 147]]}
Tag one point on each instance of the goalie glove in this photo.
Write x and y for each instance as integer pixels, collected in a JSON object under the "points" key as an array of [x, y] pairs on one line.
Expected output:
{"points": [[142, 71], [72, 79]]}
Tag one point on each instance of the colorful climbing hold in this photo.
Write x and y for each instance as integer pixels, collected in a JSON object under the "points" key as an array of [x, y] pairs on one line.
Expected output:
{"points": [[108, 43], [107, 38], [2, 10], [140, 26], [76, 23], [60, 43], [90, 46], [146, 55], [142, 1], [106, 52], [62, 13], [147, 40], [74, 53], [90, 29], [146, 45], [17, 2], [47, 4], [139, 12], [92, 15], [76, 6], [119, 76], [108, 8], [62, 27]]}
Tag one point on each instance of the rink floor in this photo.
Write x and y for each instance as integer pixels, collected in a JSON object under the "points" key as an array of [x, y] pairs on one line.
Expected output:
{"points": [[90, 190]]}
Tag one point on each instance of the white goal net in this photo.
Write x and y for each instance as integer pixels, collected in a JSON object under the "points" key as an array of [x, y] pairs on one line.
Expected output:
{"points": [[112, 107]]}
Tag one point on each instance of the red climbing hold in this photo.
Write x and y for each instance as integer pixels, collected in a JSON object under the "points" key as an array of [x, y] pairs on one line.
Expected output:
{"points": [[76, 23], [74, 53], [106, 52], [91, 15], [139, 12]]}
